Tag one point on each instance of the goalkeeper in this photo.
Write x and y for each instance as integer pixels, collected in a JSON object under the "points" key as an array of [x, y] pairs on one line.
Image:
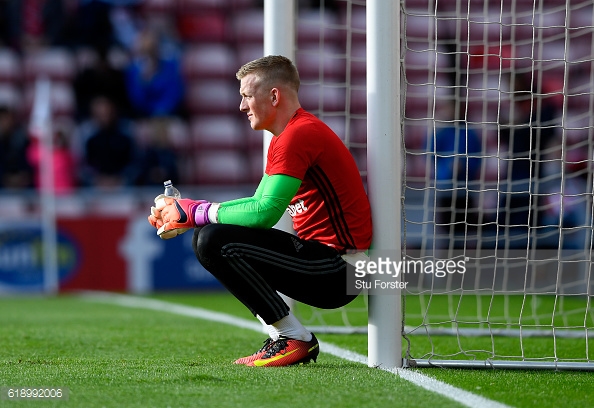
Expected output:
{"points": [[309, 173]]}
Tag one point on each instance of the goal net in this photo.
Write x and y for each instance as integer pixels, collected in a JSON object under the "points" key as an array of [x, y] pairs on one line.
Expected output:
{"points": [[497, 152]]}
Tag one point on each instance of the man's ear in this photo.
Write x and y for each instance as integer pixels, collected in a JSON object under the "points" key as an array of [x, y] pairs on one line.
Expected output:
{"points": [[274, 96]]}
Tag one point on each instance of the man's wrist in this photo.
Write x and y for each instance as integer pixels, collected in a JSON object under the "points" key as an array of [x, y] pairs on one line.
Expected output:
{"points": [[213, 213]]}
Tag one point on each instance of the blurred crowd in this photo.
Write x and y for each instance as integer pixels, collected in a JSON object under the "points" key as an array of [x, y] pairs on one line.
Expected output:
{"points": [[97, 143], [526, 176], [498, 142], [144, 92]]}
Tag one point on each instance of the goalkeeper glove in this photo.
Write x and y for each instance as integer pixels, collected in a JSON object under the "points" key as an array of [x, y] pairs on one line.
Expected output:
{"points": [[155, 218], [178, 216]]}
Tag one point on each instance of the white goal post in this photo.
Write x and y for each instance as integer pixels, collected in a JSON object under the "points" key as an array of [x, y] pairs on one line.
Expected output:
{"points": [[384, 174]]}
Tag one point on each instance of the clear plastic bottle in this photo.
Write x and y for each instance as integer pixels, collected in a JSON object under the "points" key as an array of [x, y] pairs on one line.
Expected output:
{"points": [[170, 190]]}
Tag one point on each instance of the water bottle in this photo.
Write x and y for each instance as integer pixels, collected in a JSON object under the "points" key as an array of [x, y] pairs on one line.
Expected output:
{"points": [[171, 191]]}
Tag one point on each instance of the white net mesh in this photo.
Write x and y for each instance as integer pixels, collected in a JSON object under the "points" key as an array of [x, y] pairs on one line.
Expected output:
{"points": [[330, 55], [498, 170], [498, 148]]}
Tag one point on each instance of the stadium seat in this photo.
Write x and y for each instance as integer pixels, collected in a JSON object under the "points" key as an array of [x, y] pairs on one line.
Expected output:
{"points": [[209, 61], [420, 27], [358, 99], [158, 7], [551, 61], [358, 130], [314, 96], [56, 64], [224, 5], [316, 28], [179, 134], [502, 57], [186, 165], [337, 124], [10, 95], [355, 20], [484, 29], [579, 94], [61, 98], [358, 61], [186, 6], [249, 52], [203, 26], [550, 23], [421, 99], [421, 66], [488, 98], [415, 134], [418, 6], [142, 132], [118, 58], [85, 57], [358, 17], [360, 156], [217, 132], [328, 61], [248, 26], [256, 166], [213, 97], [253, 138], [581, 19], [221, 167], [10, 66], [578, 53], [241, 5]]}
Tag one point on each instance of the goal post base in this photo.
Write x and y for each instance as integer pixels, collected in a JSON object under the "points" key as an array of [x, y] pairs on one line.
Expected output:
{"points": [[506, 365]]}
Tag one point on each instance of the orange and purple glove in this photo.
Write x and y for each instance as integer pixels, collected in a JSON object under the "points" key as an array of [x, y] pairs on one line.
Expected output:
{"points": [[173, 217]]}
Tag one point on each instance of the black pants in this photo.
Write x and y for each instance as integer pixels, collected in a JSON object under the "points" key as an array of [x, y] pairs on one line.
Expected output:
{"points": [[253, 264]]}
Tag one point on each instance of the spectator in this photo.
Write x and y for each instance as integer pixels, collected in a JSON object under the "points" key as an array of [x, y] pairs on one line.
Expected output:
{"points": [[153, 79], [33, 23], [563, 205], [158, 159], [456, 148], [15, 171], [64, 165], [100, 79], [532, 125], [4, 24], [126, 21], [94, 28], [563, 215], [109, 148]]}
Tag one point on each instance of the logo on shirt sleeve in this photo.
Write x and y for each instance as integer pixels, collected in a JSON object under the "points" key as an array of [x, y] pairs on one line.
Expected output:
{"points": [[298, 208]]}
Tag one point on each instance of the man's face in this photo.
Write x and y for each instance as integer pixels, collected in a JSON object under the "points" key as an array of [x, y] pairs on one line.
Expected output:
{"points": [[256, 102]]}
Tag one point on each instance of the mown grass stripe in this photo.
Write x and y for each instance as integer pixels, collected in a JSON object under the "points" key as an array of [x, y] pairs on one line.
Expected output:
{"points": [[449, 391]]}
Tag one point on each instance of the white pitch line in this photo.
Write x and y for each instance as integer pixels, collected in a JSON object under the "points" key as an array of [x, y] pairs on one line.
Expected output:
{"points": [[463, 397]]}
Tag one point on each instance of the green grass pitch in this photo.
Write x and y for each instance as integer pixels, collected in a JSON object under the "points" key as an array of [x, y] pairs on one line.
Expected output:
{"points": [[112, 356]]}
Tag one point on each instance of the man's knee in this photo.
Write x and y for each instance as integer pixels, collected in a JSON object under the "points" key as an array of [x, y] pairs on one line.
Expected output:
{"points": [[208, 241], [201, 238]]}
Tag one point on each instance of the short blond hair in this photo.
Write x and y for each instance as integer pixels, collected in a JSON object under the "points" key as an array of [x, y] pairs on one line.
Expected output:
{"points": [[272, 70]]}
